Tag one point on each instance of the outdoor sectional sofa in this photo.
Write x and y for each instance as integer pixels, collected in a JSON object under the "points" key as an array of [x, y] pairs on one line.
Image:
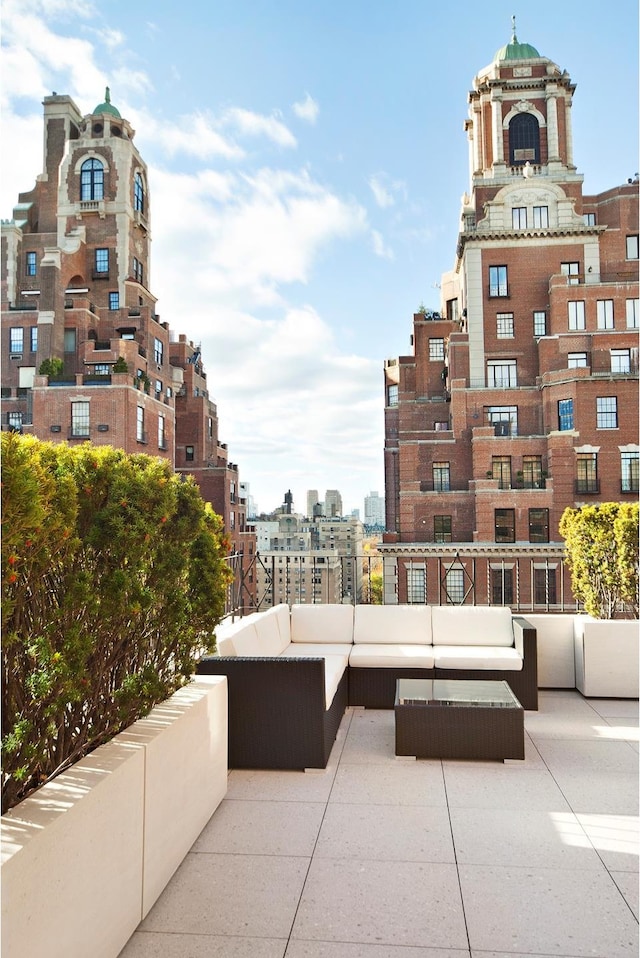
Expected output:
{"points": [[292, 672]]}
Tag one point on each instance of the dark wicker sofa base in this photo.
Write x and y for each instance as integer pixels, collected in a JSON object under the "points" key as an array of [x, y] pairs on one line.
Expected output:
{"points": [[277, 714]]}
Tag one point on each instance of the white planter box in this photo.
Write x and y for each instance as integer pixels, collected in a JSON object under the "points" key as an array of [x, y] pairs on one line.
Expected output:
{"points": [[86, 856], [606, 655], [556, 657]]}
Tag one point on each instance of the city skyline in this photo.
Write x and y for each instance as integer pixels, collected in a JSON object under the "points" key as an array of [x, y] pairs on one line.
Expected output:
{"points": [[306, 169]]}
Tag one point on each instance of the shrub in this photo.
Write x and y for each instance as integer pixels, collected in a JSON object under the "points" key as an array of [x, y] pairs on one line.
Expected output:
{"points": [[121, 365], [113, 580], [51, 367], [602, 554]]}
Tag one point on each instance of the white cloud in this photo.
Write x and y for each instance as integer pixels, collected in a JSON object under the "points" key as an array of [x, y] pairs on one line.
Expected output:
{"points": [[379, 246], [307, 109], [385, 189], [255, 124]]}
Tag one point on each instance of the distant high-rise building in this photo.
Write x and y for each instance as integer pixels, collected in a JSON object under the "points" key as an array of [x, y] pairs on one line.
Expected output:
{"points": [[332, 503], [312, 501], [374, 506]]}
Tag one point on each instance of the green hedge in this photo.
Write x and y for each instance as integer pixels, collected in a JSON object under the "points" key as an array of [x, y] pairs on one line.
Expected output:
{"points": [[113, 580]]}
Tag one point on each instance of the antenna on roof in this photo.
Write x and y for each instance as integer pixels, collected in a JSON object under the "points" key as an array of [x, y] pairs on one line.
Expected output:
{"points": [[514, 38]]}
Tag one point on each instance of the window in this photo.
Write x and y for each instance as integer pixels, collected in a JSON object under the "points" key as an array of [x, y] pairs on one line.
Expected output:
{"points": [[92, 180], [454, 586], [587, 472], [589, 219], [31, 266], [629, 464], [416, 584], [442, 529], [541, 217], [69, 340], [101, 263], [14, 421], [33, 336], [498, 281], [532, 472], [504, 325], [524, 139], [607, 412], [441, 477], [392, 395], [572, 272], [633, 311], [137, 270], [501, 373], [565, 414], [519, 217], [158, 351], [504, 419], [436, 349], [501, 586], [114, 300], [80, 418], [162, 441], [576, 314], [452, 310], [544, 586], [16, 339], [539, 323], [632, 247], [141, 435], [138, 193], [505, 525], [501, 470], [189, 453], [576, 360], [605, 313], [538, 525], [620, 360], [210, 427]]}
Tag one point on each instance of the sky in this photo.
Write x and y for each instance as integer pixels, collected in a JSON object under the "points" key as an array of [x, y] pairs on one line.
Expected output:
{"points": [[306, 165]]}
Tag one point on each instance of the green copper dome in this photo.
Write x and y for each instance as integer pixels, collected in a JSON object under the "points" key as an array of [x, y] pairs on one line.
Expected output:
{"points": [[107, 106], [515, 50]]}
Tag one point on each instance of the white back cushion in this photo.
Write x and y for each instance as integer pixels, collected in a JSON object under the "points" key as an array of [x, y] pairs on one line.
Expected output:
{"points": [[266, 625], [392, 624], [472, 625], [283, 618], [322, 623], [246, 641]]}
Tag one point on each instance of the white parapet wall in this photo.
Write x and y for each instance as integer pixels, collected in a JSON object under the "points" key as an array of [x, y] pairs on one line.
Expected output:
{"points": [[606, 654], [87, 855], [555, 645]]}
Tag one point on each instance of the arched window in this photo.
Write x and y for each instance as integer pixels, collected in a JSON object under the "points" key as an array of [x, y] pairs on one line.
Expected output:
{"points": [[92, 180], [138, 193], [524, 139]]}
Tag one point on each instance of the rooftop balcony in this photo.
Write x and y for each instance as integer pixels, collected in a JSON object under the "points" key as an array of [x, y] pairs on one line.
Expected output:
{"points": [[381, 857]]}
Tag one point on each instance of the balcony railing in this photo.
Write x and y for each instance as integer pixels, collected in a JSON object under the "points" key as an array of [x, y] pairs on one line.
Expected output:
{"points": [[587, 487]]}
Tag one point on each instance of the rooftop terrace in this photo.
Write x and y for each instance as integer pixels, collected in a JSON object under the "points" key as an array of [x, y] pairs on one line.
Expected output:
{"points": [[382, 857]]}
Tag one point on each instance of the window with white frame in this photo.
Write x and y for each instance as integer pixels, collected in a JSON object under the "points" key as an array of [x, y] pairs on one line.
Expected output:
{"points": [[632, 247], [162, 439], [504, 325], [620, 360], [503, 418], [502, 373], [31, 265], [441, 476], [576, 360], [498, 281], [80, 418], [539, 322], [416, 584], [158, 351], [605, 313], [141, 436], [436, 348], [541, 217], [16, 339], [572, 272], [589, 219], [33, 336], [519, 217], [392, 395], [629, 476], [576, 314], [454, 586], [633, 313], [606, 412]]}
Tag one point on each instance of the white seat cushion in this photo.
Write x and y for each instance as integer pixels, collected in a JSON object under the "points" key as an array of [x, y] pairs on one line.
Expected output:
{"points": [[313, 649], [390, 624], [471, 625], [379, 656], [322, 623], [476, 657]]}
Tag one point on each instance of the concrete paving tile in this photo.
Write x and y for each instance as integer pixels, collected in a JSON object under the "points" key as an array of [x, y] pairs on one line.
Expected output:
{"points": [[627, 883], [599, 792], [371, 739], [398, 783], [230, 895], [500, 787], [385, 903], [616, 839], [615, 708], [386, 833], [341, 949], [262, 828], [599, 754], [547, 911], [146, 944], [526, 837], [258, 785]]}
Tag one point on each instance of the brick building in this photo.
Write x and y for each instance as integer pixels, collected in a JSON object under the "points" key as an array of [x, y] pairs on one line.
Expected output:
{"points": [[76, 289], [521, 395]]}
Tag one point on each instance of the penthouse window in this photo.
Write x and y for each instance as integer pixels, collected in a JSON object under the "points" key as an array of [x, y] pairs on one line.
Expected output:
{"points": [[565, 414], [436, 349], [505, 525], [589, 219], [572, 272], [502, 373], [519, 217], [541, 217], [441, 476], [607, 412], [576, 360], [620, 360], [504, 325], [498, 285], [501, 470], [504, 419], [92, 180], [138, 193], [576, 314], [538, 525], [605, 313]]}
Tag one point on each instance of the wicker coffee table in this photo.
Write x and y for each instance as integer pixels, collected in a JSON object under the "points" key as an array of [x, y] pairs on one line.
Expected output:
{"points": [[450, 718]]}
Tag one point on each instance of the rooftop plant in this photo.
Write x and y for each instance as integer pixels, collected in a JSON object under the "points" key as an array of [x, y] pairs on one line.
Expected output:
{"points": [[113, 580]]}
